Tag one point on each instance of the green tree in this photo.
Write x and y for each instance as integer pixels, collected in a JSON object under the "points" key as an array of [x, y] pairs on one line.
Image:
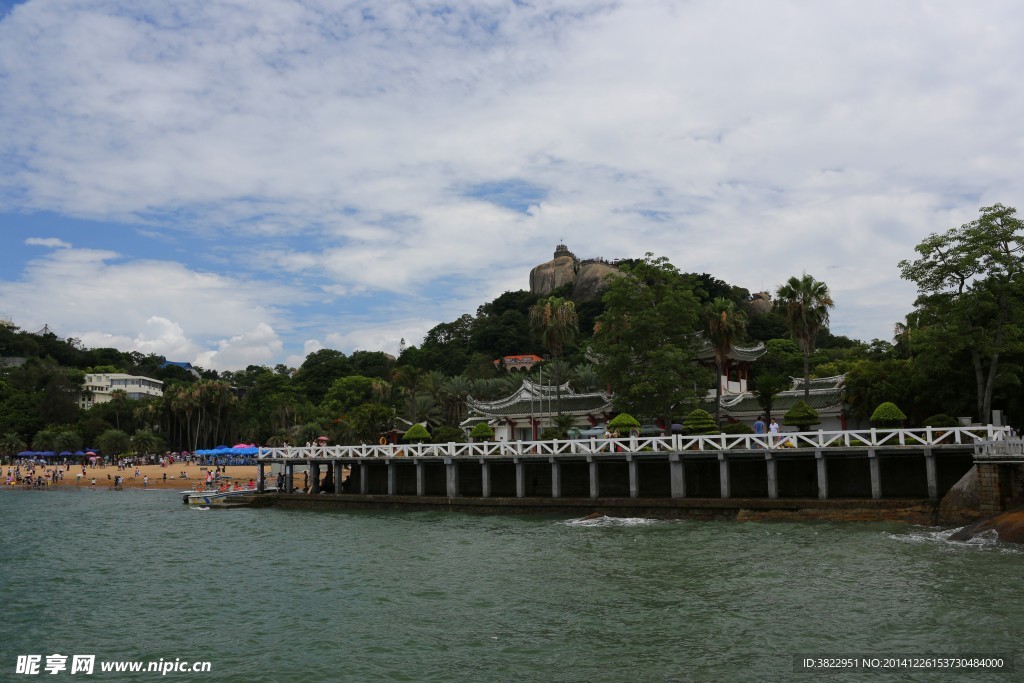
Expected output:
{"points": [[806, 302], [766, 387], [623, 422], [11, 443], [144, 442], [114, 442], [970, 292], [555, 323], [416, 434], [319, 371], [801, 416], [887, 415], [700, 421], [645, 341], [482, 432], [725, 325]]}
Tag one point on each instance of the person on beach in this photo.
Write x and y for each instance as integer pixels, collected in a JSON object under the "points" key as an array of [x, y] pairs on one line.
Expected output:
{"points": [[145, 480]]}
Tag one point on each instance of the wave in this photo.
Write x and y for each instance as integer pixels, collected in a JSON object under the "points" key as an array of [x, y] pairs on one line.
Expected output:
{"points": [[603, 521], [988, 540]]}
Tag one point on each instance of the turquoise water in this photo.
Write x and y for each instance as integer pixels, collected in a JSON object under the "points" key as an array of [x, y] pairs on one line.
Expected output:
{"points": [[274, 595]]}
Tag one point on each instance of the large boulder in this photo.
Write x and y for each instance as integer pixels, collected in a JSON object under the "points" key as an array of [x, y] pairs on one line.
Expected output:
{"points": [[592, 280], [1009, 527], [547, 277]]}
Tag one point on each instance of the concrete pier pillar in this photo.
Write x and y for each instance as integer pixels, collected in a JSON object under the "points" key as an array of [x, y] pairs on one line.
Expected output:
{"points": [[289, 472], [556, 478], [314, 477], [595, 488], [339, 472], [876, 474], [485, 478], [392, 476], [819, 460], [364, 478], [930, 474], [634, 480], [520, 478], [259, 482], [677, 476], [420, 485], [452, 476], [773, 476], [723, 475]]}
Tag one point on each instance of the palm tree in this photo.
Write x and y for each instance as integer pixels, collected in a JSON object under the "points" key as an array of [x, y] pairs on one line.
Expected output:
{"points": [[11, 444], [806, 302], [67, 440], [45, 440], [725, 324], [555, 322], [144, 441], [767, 386]]}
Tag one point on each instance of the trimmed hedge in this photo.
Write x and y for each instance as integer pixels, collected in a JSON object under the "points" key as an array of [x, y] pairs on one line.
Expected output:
{"points": [[700, 422], [801, 416], [887, 415]]}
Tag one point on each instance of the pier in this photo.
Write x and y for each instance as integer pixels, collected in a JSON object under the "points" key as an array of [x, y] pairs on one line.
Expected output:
{"points": [[859, 474]]}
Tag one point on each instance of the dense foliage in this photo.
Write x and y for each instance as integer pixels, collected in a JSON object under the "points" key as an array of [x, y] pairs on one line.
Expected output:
{"points": [[960, 352]]}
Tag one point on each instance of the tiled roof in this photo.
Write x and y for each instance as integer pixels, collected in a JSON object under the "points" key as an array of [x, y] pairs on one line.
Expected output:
{"points": [[740, 353], [532, 399], [826, 395]]}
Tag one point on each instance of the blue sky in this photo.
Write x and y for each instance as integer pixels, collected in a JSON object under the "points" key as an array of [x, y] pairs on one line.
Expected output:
{"points": [[233, 183]]}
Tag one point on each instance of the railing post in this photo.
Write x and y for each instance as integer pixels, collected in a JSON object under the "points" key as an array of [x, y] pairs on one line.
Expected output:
{"points": [[874, 436]]}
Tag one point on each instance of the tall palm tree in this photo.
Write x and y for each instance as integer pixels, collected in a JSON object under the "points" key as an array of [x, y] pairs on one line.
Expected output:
{"points": [[556, 324], [806, 302], [725, 324]]}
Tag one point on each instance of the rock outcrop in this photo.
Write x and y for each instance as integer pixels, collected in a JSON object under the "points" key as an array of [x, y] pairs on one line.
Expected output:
{"points": [[1009, 527], [588, 279], [961, 504]]}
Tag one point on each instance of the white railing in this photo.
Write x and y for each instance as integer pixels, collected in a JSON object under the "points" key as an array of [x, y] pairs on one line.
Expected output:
{"points": [[888, 438]]}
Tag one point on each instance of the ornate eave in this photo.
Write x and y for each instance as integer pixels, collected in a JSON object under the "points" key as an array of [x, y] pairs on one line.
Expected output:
{"points": [[532, 399]]}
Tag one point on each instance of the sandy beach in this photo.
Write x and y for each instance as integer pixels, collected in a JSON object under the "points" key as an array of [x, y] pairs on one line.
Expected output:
{"points": [[194, 473]]}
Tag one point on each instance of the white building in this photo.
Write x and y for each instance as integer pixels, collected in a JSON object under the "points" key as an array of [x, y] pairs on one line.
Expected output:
{"points": [[100, 388]]}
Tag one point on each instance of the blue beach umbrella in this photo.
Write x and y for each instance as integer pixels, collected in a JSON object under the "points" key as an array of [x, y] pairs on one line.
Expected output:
{"points": [[26, 453]]}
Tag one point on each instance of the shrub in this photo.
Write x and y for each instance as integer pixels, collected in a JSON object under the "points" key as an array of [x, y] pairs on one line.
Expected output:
{"points": [[737, 428], [445, 434], [482, 432], [801, 416], [623, 422], [417, 433], [887, 415], [700, 422], [550, 433], [941, 420]]}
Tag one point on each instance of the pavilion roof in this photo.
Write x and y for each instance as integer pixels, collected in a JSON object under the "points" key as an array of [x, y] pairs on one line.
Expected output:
{"points": [[532, 399], [826, 395]]}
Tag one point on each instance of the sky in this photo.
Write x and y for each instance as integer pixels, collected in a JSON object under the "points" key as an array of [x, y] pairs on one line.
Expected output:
{"points": [[231, 182]]}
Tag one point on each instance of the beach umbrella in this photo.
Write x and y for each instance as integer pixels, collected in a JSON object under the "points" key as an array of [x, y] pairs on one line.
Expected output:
{"points": [[66, 453], [241, 445], [90, 453], [79, 452], [25, 453], [322, 438]]}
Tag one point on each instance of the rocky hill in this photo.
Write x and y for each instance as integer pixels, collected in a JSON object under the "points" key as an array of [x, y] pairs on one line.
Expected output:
{"points": [[588, 278]]}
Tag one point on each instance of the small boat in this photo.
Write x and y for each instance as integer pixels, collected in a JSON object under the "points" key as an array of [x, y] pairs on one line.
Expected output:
{"points": [[233, 498]]}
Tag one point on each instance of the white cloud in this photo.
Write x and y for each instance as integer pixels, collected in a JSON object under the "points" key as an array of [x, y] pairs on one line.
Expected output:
{"points": [[753, 141], [51, 242]]}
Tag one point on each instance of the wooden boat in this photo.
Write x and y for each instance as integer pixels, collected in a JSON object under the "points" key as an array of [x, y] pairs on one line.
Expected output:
{"points": [[232, 498]]}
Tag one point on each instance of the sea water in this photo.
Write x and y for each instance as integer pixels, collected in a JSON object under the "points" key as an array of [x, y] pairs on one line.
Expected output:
{"points": [[276, 595]]}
